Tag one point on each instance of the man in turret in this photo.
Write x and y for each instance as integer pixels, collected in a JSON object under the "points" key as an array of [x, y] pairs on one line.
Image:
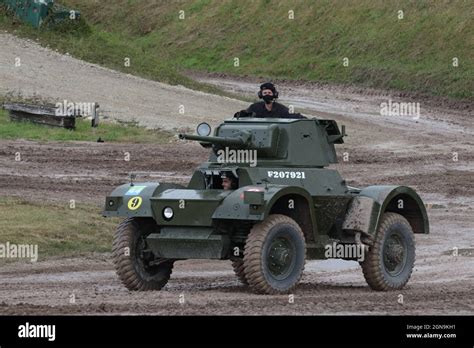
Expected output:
{"points": [[269, 108]]}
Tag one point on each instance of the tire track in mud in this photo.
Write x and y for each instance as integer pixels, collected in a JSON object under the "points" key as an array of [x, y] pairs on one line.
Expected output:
{"points": [[217, 291]]}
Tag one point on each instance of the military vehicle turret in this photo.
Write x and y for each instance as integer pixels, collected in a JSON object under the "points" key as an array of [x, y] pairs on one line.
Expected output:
{"points": [[285, 206]]}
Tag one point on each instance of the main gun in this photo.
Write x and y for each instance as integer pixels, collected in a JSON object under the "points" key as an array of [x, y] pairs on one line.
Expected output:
{"points": [[242, 140]]}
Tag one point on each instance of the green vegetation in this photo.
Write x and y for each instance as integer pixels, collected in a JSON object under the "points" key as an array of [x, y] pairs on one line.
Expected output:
{"points": [[57, 229], [107, 131], [411, 54], [92, 44]]}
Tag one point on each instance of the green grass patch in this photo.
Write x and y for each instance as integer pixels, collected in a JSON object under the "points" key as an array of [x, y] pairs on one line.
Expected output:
{"points": [[107, 131], [107, 48], [57, 229]]}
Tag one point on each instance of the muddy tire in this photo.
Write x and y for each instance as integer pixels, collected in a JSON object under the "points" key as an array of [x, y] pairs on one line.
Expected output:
{"points": [[239, 270], [274, 255], [132, 260], [389, 262]]}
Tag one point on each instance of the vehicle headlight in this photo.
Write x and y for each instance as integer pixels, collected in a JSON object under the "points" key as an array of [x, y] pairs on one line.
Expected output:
{"points": [[168, 213], [203, 129]]}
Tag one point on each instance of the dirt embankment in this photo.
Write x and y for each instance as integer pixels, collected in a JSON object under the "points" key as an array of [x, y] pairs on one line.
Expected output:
{"points": [[56, 77]]}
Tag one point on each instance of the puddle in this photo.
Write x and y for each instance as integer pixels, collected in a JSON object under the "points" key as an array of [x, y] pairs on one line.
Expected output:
{"points": [[459, 252], [330, 265], [67, 277]]}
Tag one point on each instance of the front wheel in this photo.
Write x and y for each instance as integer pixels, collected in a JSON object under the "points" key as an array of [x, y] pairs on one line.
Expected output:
{"points": [[135, 264], [274, 255], [389, 263]]}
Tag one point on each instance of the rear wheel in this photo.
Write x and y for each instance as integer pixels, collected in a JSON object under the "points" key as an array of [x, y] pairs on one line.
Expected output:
{"points": [[274, 255], [239, 270], [389, 263], [135, 264]]}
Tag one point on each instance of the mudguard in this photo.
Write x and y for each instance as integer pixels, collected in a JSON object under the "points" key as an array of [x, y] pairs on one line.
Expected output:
{"points": [[366, 209], [133, 200], [235, 207]]}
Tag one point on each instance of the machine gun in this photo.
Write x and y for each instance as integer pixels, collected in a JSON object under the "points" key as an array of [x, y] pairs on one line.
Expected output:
{"points": [[241, 140]]}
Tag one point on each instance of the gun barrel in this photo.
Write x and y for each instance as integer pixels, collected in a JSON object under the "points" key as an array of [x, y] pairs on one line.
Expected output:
{"points": [[214, 140]]}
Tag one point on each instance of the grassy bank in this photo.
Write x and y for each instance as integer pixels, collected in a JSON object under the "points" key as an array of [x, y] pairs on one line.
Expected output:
{"points": [[107, 131], [109, 49], [57, 229], [414, 53]]}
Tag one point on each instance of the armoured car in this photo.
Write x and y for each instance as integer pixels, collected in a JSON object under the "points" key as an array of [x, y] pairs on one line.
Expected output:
{"points": [[285, 206]]}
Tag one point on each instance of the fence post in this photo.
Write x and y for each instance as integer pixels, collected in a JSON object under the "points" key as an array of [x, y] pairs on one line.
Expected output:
{"points": [[95, 115]]}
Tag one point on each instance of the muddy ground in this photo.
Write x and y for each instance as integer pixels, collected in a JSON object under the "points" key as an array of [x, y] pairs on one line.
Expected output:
{"points": [[432, 153], [441, 283]]}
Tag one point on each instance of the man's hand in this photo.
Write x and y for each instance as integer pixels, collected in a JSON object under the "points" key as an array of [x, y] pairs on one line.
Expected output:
{"points": [[244, 113], [296, 115]]}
